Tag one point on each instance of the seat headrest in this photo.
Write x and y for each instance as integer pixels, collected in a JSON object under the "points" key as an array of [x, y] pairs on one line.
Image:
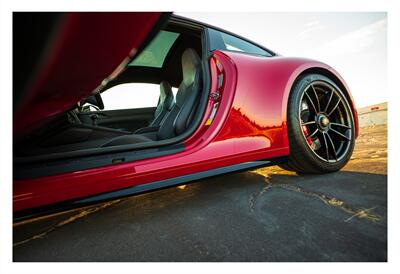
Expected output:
{"points": [[190, 63], [165, 89], [166, 95]]}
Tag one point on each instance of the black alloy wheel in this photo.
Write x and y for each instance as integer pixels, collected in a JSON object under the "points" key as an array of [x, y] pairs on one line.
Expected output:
{"points": [[320, 126]]}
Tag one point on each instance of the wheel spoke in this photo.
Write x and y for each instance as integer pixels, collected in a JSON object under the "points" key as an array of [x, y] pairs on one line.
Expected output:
{"points": [[340, 125], [311, 101], [340, 134], [329, 101], [334, 107], [312, 134], [332, 145], [326, 146], [308, 123], [316, 97]]}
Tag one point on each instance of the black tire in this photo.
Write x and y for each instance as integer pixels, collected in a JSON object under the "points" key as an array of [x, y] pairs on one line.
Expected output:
{"points": [[320, 129], [286, 166]]}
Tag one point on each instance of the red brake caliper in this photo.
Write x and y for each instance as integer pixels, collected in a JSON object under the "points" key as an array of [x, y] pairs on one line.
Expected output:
{"points": [[305, 131]]}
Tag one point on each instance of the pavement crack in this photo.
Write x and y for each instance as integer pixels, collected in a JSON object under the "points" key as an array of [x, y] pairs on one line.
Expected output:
{"points": [[254, 197], [332, 201], [200, 248], [360, 213], [81, 214]]}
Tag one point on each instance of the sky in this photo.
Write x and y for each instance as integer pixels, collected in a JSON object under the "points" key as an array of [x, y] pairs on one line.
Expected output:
{"points": [[352, 43]]}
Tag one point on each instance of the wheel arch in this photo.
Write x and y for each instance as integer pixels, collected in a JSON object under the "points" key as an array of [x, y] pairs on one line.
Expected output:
{"points": [[327, 72]]}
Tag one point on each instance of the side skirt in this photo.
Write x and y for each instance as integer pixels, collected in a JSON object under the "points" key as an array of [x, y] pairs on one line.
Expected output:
{"points": [[143, 188]]}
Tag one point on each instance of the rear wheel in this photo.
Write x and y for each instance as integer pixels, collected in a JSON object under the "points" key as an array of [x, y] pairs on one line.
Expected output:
{"points": [[320, 126]]}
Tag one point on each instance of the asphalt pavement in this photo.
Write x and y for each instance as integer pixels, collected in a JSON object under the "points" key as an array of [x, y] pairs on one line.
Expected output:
{"points": [[262, 215]]}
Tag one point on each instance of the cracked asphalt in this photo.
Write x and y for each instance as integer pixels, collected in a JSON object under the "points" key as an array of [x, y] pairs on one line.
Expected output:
{"points": [[266, 214]]}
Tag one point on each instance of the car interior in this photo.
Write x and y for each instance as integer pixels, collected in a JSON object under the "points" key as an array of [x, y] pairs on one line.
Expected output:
{"points": [[172, 60]]}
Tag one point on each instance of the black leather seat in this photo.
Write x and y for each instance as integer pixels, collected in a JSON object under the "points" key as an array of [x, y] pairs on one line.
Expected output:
{"points": [[164, 106], [179, 118], [165, 103]]}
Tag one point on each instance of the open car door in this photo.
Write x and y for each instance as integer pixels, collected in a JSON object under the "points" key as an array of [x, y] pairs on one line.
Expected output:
{"points": [[61, 58]]}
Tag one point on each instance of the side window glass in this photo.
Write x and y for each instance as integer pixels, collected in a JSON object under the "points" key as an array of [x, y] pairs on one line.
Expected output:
{"points": [[223, 41], [131, 96]]}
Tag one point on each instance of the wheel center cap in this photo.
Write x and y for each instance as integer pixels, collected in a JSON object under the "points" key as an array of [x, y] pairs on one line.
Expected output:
{"points": [[323, 121]]}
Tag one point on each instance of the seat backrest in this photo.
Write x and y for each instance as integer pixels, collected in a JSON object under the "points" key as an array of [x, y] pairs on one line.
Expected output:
{"points": [[187, 97], [165, 103]]}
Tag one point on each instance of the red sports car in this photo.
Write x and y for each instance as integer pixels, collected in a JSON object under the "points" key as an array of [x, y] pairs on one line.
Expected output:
{"points": [[194, 101]]}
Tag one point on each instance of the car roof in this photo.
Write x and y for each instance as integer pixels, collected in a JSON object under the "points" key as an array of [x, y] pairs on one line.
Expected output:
{"points": [[179, 18]]}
